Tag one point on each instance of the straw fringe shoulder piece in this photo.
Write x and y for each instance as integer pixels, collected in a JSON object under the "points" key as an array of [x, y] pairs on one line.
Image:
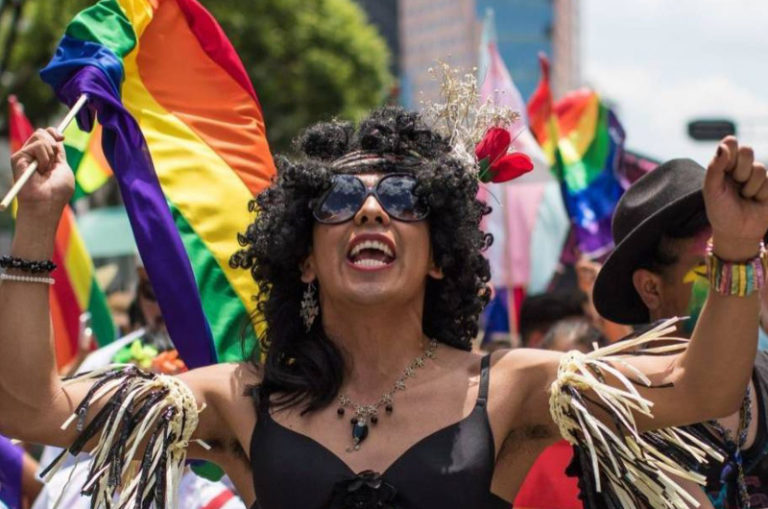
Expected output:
{"points": [[156, 410], [619, 466]]}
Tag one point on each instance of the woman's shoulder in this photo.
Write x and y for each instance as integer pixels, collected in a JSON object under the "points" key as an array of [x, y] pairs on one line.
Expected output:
{"points": [[225, 390], [524, 365], [229, 380], [505, 361]]}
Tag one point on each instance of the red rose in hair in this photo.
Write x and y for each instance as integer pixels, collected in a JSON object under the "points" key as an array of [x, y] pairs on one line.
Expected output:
{"points": [[495, 164], [494, 144]]}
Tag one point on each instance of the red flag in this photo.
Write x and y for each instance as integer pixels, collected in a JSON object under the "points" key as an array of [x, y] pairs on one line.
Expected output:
{"points": [[540, 109], [19, 125]]}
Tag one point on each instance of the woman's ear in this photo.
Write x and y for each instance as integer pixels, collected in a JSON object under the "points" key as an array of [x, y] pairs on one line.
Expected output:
{"points": [[307, 268], [648, 287], [435, 272]]}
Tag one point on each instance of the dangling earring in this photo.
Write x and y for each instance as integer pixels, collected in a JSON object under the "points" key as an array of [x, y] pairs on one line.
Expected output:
{"points": [[310, 308]]}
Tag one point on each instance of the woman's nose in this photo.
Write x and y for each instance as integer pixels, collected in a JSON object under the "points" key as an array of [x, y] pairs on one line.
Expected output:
{"points": [[372, 212]]}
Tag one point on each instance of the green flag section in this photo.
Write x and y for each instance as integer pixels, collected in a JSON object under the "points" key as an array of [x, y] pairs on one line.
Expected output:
{"points": [[85, 156]]}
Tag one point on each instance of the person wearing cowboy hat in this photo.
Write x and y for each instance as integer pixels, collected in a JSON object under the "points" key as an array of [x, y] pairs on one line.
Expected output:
{"points": [[658, 270]]}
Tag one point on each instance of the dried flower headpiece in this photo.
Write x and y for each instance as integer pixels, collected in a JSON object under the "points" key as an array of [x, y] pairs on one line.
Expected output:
{"points": [[477, 130]]}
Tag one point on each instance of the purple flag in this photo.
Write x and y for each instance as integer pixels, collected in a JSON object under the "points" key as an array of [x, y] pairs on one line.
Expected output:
{"points": [[10, 473]]}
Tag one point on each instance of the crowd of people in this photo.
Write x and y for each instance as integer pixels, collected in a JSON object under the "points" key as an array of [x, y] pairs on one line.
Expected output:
{"points": [[385, 384]]}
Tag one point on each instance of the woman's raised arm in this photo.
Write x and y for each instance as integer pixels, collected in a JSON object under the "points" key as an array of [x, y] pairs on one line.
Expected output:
{"points": [[705, 381], [145, 411], [31, 398]]}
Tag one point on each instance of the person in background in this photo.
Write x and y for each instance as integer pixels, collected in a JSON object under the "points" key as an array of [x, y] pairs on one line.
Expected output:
{"points": [[657, 271], [573, 334], [119, 303], [539, 312], [586, 272], [145, 312]]}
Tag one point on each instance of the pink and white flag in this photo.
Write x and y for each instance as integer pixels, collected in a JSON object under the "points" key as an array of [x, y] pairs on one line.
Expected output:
{"points": [[528, 222]]}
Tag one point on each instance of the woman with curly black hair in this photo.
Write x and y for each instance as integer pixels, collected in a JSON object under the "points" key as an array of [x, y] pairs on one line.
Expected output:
{"points": [[282, 254], [367, 252]]}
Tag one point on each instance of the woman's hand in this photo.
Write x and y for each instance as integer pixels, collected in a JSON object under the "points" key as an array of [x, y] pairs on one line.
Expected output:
{"points": [[50, 188], [736, 197]]}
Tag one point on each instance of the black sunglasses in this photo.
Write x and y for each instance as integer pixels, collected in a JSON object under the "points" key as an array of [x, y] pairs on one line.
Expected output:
{"points": [[348, 193]]}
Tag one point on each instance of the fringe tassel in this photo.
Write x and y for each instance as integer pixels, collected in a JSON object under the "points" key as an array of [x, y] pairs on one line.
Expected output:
{"points": [[157, 410], [620, 466]]}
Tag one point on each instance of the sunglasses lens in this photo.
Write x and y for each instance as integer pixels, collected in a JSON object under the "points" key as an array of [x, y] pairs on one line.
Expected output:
{"points": [[397, 198], [342, 201]]}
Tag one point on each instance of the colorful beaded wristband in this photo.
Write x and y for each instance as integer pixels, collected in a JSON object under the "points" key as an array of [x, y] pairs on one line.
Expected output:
{"points": [[737, 279]]}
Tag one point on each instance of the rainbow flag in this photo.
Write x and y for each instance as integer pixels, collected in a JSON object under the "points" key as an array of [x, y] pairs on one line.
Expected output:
{"points": [[76, 289], [183, 131], [584, 142], [87, 160]]}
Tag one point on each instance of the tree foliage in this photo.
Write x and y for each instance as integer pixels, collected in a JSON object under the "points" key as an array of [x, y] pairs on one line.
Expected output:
{"points": [[308, 59]]}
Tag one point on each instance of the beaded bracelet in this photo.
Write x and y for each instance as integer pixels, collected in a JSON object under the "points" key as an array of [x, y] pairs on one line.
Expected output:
{"points": [[27, 279], [33, 267], [737, 279]]}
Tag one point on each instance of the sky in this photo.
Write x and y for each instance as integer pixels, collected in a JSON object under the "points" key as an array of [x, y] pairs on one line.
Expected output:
{"points": [[665, 62]]}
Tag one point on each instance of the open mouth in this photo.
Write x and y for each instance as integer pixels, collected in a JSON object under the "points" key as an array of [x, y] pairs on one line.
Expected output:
{"points": [[371, 254]]}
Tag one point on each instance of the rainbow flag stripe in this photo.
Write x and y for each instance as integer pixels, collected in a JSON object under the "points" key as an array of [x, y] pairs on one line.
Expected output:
{"points": [[87, 160], [584, 142], [184, 134], [76, 289]]}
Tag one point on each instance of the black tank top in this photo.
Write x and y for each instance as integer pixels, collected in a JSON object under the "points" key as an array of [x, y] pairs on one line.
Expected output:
{"points": [[452, 467]]}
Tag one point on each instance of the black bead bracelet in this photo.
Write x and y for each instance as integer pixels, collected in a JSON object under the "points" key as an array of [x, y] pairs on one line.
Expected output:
{"points": [[29, 266]]}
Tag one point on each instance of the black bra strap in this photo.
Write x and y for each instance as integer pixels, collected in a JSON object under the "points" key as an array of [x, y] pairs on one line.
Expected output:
{"points": [[485, 369]]}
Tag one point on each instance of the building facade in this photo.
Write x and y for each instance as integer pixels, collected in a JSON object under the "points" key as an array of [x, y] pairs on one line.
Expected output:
{"points": [[422, 32], [566, 47], [527, 27], [384, 14], [431, 31]]}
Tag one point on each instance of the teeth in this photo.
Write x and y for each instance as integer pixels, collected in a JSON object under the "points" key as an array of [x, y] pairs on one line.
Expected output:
{"points": [[366, 262], [372, 244]]}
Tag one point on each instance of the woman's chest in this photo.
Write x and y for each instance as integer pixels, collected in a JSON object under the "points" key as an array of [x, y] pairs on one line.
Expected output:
{"points": [[427, 471], [362, 442]]}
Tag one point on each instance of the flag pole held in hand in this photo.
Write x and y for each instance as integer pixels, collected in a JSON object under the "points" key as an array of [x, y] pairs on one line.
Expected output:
{"points": [[33, 166]]}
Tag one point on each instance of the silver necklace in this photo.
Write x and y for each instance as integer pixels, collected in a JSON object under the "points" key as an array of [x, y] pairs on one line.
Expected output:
{"points": [[365, 414]]}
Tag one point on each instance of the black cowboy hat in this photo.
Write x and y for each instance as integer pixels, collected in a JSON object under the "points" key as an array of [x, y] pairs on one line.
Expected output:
{"points": [[671, 192]]}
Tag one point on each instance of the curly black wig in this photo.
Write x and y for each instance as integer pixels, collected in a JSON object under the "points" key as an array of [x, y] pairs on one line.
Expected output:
{"points": [[306, 368]]}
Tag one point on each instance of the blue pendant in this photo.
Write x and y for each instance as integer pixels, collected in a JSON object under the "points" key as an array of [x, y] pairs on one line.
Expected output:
{"points": [[359, 431]]}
